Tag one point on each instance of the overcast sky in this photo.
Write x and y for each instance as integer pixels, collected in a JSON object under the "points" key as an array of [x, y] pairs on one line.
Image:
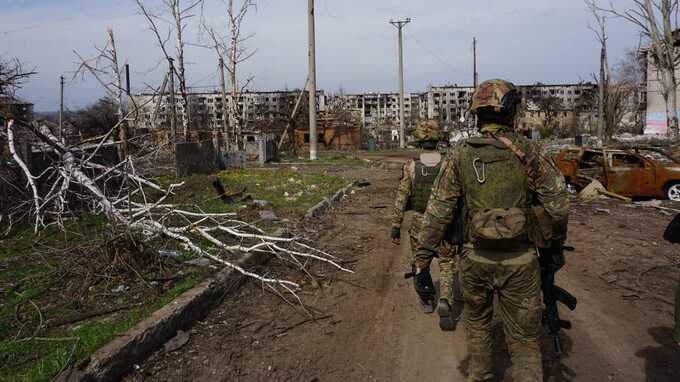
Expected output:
{"points": [[525, 41]]}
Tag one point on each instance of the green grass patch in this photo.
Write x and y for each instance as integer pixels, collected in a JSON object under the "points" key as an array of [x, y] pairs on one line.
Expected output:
{"points": [[29, 265], [290, 192], [329, 157], [27, 278], [49, 354]]}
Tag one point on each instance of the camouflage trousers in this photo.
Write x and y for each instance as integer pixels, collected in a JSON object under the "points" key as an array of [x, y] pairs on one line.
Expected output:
{"points": [[515, 278], [448, 267], [676, 334]]}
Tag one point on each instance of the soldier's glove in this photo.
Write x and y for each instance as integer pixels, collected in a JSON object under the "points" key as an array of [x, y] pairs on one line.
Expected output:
{"points": [[424, 285], [395, 235]]}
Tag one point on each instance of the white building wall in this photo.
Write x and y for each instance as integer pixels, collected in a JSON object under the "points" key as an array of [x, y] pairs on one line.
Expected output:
{"points": [[656, 121]]}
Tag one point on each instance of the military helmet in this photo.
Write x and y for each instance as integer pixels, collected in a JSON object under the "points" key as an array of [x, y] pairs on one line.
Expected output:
{"points": [[498, 96], [428, 130]]}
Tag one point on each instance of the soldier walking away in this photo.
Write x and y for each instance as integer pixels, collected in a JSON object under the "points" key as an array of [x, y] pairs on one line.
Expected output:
{"points": [[412, 195], [672, 235], [676, 333], [503, 179]]}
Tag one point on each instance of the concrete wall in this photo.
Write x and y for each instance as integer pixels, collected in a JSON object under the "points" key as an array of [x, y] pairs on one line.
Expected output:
{"points": [[195, 158]]}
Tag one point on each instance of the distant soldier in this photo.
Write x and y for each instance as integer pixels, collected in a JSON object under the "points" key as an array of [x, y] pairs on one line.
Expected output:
{"points": [[503, 180], [412, 195]]}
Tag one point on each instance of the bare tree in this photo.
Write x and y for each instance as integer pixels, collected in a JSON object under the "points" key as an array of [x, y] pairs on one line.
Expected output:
{"points": [[617, 106], [550, 106], [630, 71], [95, 119], [603, 81], [105, 68], [141, 207], [233, 52], [12, 76], [180, 15], [657, 21]]}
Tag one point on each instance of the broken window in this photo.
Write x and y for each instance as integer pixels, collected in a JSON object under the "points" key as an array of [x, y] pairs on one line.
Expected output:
{"points": [[591, 166], [627, 160]]}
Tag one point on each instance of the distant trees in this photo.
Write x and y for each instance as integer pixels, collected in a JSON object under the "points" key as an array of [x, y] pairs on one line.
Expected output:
{"points": [[624, 98], [12, 75], [232, 51], [657, 21], [550, 106], [96, 119], [618, 93], [176, 16]]}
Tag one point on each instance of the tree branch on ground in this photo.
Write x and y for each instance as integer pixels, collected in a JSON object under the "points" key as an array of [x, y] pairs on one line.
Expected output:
{"points": [[141, 207]]}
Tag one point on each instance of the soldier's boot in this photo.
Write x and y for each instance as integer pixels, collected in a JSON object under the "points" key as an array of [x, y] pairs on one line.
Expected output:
{"points": [[447, 318]]}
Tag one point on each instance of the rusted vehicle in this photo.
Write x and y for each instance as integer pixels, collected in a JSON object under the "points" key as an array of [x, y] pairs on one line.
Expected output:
{"points": [[632, 173]]}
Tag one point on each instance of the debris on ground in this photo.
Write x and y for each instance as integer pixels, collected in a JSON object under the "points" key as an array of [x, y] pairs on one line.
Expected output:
{"points": [[261, 203], [176, 342], [603, 211], [596, 190], [657, 204], [362, 183], [236, 197], [200, 262], [268, 215], [120, 289], [169, 253]]}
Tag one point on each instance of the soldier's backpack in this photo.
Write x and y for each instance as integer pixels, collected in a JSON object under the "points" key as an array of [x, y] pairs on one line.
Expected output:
{"points": [[495, 188], [423, 180]]}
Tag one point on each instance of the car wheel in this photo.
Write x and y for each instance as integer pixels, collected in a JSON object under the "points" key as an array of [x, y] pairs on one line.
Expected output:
{"points": [[673, 192]]}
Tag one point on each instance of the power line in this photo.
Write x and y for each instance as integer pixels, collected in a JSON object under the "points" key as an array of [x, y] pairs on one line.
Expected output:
{"points": [[430, 52]]}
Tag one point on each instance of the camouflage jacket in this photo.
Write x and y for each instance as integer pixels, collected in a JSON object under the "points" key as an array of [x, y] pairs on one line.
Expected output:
{"points": [[406, 186], [546, 187]]}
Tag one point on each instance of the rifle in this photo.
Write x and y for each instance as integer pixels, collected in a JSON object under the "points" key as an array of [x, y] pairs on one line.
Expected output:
{"points": [[551, 261]]}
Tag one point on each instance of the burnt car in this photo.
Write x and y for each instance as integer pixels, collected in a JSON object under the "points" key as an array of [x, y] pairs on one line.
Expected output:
{"points": [[632, 173]]}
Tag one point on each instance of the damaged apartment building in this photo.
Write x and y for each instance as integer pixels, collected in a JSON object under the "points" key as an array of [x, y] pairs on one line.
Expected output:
{"points": [[569, 105], [207, 112]]}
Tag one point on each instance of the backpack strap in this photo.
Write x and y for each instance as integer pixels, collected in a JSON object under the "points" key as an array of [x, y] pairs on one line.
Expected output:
{"points": [[516, 150], [519, 153]]}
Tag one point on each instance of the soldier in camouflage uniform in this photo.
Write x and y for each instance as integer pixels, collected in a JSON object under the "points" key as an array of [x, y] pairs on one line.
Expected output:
{"points": [[504, 181], [412, 195], [676, 334]]}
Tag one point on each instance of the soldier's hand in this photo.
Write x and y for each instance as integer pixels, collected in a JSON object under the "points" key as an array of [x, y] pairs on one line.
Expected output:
{"points": [[395, 235]]}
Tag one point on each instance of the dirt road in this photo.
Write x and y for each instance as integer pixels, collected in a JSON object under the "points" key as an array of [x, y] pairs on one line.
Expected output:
{"points": [[369, 326]]}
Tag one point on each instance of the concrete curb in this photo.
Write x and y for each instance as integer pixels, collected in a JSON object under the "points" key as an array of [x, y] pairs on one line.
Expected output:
{"points": [[323, 206], [116, 359]]}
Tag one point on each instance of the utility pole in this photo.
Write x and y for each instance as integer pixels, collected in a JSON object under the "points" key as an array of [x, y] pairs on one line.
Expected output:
{"points": [[61, 108], [475, 80], [173, 109], [399, 24], [313, 140], [604, 81], [127, 79], [225, 114], [124, 111]]}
